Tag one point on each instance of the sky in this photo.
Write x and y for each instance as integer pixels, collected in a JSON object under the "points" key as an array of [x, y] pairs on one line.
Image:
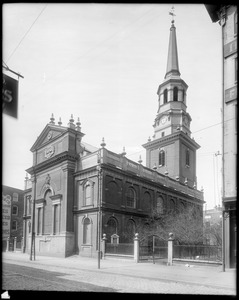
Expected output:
{"points": [[103, 63]]}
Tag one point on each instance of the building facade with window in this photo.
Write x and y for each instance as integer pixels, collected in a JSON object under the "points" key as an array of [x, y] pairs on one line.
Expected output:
{"points": [[212, 219], [12, 215], [79, 192], [226, 16]]}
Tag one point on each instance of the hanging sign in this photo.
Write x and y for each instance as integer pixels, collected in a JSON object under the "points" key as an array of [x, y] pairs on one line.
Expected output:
{"points": [[10, 96]]}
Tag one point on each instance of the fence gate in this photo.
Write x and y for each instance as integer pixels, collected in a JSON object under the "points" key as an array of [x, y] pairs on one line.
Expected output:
{"points": [[154, 248]]}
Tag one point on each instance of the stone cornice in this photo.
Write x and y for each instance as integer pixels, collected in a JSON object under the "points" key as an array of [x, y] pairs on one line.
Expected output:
{"points": [[170, 138], [172, 80], [57, 159]]}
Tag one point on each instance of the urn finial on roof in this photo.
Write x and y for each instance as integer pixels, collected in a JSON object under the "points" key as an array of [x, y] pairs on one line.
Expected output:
{"points": [[52, 119]]}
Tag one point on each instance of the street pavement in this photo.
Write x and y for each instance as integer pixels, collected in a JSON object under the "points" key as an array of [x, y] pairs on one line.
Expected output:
{"points": [[126, 276]]}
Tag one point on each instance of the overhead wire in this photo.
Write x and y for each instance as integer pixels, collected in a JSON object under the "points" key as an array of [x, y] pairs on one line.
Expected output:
{"points": [[26, 33], [100, 44]]}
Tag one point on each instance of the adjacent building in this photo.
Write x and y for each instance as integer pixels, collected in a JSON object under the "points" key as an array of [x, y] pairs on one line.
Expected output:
{"points": [[226, 16], [212, 219], [79, 192], [12, 213]]}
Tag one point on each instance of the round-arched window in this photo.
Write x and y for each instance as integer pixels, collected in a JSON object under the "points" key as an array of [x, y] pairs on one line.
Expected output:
{"points": [[131, 198]]}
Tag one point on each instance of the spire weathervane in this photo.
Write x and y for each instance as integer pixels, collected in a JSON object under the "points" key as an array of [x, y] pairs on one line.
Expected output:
{"points": [[172, 14]]}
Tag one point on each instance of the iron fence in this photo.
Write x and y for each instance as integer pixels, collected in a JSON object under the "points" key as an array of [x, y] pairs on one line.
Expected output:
{"points": [[149, 252], [120, 249], [198, 252], [145, 252]]}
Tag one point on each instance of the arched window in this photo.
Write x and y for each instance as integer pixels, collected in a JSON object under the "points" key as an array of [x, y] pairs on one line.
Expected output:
{"points": [[112, 193], [187, 158], [182, 206], [111, 227], [131, 198], [165, 96], [146, 201], [175, 94], [47, 223], [172, 205], [130, 230], [159, 205], [14, 210], [88, 194], [161, 158], [87, 231]]}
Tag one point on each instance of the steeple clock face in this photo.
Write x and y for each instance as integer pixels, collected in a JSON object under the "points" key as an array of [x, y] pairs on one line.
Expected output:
{"points": [[163, 120]]}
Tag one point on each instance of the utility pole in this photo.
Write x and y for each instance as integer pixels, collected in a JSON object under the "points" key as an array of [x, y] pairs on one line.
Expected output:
{"points": [[33, 251], [99, 201]]}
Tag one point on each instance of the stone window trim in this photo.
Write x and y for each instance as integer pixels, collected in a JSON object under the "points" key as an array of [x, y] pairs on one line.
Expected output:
{"points": [[161, 158], [87, 236], [131, 197], [40, 204], [165, 96], [88, 184]]}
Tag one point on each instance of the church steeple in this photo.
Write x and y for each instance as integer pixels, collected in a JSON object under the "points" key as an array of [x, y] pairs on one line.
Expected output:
{"points": [[172, 63], [172, 149]]}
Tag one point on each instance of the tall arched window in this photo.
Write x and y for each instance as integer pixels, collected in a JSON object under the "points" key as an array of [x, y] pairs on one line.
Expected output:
{"points": [[175, 94], [131, 198], [147, 201], [161, 158], [87, 231], [88, 194], [159, 205], [165, 96], [47, 223], [112, 193], [130, 230], [172, 205], [111, 227], [187, 158]]}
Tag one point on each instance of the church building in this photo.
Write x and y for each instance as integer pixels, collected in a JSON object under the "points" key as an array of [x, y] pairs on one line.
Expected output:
{"points": [[79, 192]]}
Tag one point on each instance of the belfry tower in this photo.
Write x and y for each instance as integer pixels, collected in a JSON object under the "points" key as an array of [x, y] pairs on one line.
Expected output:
{"points": [[172, 151]]}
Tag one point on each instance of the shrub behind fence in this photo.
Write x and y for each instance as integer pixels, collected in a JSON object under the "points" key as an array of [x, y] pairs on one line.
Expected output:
{"points": [[200, 252], [120, 249]]}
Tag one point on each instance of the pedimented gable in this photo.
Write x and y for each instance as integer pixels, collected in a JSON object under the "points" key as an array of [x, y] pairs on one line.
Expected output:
{"points": [[49, 134]]}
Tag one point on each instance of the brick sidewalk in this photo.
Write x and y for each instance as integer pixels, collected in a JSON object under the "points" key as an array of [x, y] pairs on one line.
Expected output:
{"points": [[129, 276]]}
